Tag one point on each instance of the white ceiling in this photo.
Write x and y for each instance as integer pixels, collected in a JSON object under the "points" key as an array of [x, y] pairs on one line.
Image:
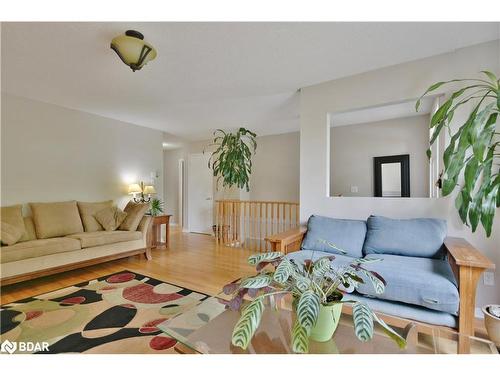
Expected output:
{"points": [[211, 75], [382, 112]]}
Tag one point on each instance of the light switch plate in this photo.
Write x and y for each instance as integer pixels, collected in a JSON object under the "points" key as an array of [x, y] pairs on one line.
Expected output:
{"points": [[489, 278], [354, 189]]}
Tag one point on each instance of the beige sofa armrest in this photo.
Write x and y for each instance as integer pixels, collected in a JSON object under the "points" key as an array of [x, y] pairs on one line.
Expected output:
{"points": [[145, 226], [288, 241]]}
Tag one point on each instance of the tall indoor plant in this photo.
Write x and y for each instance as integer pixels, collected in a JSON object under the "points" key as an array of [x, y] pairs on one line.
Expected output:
{"points": [[317, 298], [231, 161], [474, 148]]}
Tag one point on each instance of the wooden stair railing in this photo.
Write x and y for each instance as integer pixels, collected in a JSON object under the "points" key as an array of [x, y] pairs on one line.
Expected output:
{"points": [[245, 223]]}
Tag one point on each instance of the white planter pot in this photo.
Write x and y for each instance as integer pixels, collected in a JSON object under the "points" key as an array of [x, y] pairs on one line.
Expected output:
{"points": [[492, 324]]}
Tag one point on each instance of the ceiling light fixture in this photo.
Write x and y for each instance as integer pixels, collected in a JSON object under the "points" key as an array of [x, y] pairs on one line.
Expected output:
{"points": [[133, 50]]}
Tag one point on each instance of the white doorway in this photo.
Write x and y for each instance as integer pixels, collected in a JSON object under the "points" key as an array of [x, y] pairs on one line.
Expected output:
{"points": [[200, 194]]}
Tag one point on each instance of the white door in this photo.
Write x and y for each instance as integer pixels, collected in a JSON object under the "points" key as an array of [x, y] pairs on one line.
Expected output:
{"points": [[200, 194]]}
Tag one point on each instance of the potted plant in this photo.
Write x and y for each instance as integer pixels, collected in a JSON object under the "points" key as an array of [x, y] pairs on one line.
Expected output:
{"points": [[156, 207], [317, 290], [231, 161], [492, 322], [474, 149]]}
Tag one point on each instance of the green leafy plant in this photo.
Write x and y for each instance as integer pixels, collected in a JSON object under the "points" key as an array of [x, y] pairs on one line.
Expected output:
{"points": [[311, 285], [231, 160], [156, 207], [473, 148]]}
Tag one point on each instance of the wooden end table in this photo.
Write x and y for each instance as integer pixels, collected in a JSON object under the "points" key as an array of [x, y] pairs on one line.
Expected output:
{"points": [[157, 223]]}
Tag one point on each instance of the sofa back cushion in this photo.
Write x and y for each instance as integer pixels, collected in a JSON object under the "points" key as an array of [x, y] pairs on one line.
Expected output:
{"points": [[348, 235], [30, 234], [9, 234], [56, 219], [13, 215], [135, 212], [87, 213], [409, 237]]}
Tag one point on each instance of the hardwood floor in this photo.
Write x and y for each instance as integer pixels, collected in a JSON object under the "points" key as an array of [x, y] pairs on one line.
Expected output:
{"points": [[193, 261]]}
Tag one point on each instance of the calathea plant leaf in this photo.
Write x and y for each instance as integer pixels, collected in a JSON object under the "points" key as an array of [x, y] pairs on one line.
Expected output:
{"points": [[308, 310], [257, 258], [300, 338], [283, 271], [258, 281], [362, 317], [390, 332], [248, 323]]}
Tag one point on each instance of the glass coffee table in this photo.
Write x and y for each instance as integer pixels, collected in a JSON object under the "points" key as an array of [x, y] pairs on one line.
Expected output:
{"points": [[211, 327]]}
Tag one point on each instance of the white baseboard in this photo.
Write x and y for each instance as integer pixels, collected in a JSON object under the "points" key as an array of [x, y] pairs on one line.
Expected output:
{"points": [[478, 313]]}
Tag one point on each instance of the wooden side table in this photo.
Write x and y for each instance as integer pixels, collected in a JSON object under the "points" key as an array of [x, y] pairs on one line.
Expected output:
{"points": [[157, 223]]}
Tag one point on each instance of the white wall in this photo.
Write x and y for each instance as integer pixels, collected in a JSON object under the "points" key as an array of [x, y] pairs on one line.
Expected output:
{"points": [[400, 82], [51, 153], [353, 147], [275, 173]]}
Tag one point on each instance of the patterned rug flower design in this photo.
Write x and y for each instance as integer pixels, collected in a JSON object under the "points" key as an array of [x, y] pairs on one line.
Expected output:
{"points": [[118, 313]]}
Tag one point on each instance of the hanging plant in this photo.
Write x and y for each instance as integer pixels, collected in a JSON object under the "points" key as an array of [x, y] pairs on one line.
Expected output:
{"points": [[473, 148], [231, 161]]}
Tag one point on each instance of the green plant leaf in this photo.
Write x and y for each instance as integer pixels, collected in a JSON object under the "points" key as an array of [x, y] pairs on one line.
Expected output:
{"points": [[257, 258], [321, 267], [378, 285], [248, 323], [363, 321], [300, 338], [490, 75], [390, 332], [308, 310], [489, 206], [302, 283], [256, 282], [283, 271]]}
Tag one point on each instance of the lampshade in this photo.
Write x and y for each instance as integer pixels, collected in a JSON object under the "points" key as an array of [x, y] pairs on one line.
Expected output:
{"points": [[133, 50], [149, 189], [134, 188]]}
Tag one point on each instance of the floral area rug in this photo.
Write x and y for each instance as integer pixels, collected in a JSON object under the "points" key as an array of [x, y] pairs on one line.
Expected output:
{"points": [[118, 313]]}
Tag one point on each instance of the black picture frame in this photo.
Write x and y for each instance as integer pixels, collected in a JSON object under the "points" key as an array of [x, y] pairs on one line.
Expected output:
{"points": [[405, 173]]}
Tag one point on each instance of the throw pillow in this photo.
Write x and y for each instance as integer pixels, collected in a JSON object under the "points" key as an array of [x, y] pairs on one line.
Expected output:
{"points": [[10, 234], [110, 218], [56, 219], [13, 215], [87, 212], [135, 212]]}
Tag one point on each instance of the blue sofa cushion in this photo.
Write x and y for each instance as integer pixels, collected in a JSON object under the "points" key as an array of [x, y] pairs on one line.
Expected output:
{"points": [[348, 235], [419, 281], [411, 237]]}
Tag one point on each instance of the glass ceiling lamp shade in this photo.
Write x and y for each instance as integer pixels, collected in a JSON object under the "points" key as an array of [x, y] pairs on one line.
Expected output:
{"points": [[133, 50]]}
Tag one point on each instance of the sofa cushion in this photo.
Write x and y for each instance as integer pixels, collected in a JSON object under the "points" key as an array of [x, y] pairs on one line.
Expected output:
{"points": [[36, 248], [410, 237], [9, 234], [135, 212], [347, 235], [419, 281], [13, 215], [56, 219], [87, 213], [30, 233], [91, 239], [110, 218]]}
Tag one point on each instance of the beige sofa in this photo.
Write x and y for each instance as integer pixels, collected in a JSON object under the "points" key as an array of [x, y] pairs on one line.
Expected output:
{"points": [[64, 241]]}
